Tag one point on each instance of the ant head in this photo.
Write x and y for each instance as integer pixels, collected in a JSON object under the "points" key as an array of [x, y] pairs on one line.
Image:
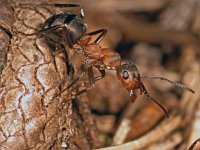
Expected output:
{"points": [[129, 76]]}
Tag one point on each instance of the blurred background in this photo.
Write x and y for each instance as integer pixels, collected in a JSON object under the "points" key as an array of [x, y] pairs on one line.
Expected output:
{"points": [[162, 38]]}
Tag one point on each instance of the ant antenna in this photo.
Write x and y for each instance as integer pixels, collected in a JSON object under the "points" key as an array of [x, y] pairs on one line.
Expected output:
{"points": [[155, 101], [174, 83]]}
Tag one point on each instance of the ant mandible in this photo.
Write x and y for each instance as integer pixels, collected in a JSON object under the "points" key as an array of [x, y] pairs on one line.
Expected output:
{"points": [[107, 59]]}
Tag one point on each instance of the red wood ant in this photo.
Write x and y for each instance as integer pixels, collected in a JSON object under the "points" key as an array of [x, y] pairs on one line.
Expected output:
{"points": [[107, 59], [73, 31]]}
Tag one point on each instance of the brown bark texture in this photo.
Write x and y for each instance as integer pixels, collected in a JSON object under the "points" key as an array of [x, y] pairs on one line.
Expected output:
{"points": [[32, 114]]}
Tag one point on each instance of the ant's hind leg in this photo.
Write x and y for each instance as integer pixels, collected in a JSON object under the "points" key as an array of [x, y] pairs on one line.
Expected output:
{"points": [[66, 38], [41, 32], [54, 5]]}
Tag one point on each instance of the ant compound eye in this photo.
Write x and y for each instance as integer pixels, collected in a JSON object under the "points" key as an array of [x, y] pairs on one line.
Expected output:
{"points": [[125, 75]]}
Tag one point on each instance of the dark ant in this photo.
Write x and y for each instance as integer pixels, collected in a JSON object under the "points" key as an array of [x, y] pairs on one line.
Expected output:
{"points": [[107, 59], [73, 27]]}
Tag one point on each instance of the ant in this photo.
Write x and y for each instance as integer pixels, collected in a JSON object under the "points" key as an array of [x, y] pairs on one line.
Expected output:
{"points": [[107, 59], [73, 27], [73, 31]]}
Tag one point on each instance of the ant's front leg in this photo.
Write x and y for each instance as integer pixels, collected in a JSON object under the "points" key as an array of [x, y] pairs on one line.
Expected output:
{"points": [[102, 72], [92, 79], [143, 89]]}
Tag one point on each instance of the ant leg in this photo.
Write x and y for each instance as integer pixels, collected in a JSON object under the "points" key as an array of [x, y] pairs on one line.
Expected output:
{"points": [[91, 77], [55, 5], [71, 84], [193, 146], [151, 98], [67, 42], [43, 31], [66, 37], [74, 95], [102, 75], [100, 37], [92, 80], [68, 5]]}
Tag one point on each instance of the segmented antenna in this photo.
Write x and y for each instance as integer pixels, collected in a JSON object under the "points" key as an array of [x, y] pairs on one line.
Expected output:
{"points": [[172, 82], [155, 101]]}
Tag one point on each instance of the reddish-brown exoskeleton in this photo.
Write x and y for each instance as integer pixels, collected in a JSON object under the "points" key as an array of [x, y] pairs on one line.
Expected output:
{"points": [[107, 59], [101, 58], [98, 57], [130, 78]]}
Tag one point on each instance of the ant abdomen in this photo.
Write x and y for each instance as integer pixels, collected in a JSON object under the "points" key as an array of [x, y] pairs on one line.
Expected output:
{"points": [[75, 25]]}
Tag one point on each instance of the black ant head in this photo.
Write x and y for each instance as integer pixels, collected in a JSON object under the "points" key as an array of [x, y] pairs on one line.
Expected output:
{"points": [[129, 76]]}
